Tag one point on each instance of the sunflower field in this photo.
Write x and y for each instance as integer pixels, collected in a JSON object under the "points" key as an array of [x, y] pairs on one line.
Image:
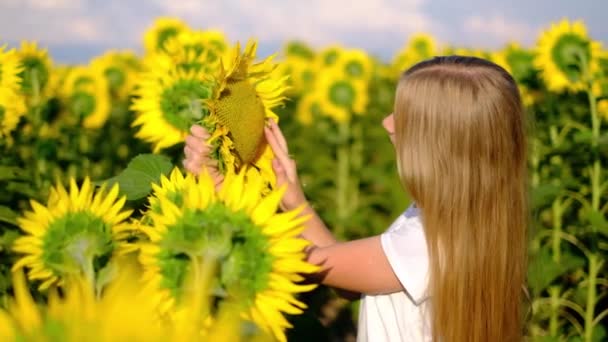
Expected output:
{"points": [[103, 236]]}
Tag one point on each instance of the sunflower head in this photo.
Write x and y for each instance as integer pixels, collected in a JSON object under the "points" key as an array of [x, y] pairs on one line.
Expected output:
{"points": [[245, 97], [329, 56], [121, 312], [74, 234], [418, 48], [355, 64], [168, 101], [308, 109], [162, 29], [120, 70], [12, 108], [199, 51], [339, 96], [257, 251], [36, 68], [12, 102], [566, 56], [10, 69], [85, 96], [519, 62]]}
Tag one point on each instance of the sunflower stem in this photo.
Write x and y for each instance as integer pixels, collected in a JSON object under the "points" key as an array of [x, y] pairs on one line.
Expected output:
{"points": [[554, 316], [557, 211], [596, 181], [594, 267], [40, 168], [357, 162], [343, 178]]}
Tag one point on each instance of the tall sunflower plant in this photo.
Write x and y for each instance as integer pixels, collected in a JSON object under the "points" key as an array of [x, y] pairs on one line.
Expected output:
{"points": [[568, 178]]}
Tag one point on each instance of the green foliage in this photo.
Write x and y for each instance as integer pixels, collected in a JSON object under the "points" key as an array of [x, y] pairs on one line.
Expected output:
{"points": [[136, 180]]}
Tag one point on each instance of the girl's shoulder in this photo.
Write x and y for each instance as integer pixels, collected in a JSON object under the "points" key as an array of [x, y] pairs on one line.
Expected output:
{"points": [[409, 219]]}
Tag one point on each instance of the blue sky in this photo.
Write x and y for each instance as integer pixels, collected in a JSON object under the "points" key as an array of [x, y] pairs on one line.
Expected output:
{"points": [[76, 30]]}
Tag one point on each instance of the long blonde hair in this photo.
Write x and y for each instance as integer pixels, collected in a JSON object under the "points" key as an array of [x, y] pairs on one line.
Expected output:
{"points": [[461, 152]]}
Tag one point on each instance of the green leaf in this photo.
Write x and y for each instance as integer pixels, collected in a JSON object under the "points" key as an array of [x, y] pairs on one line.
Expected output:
{"points": [[544, 194], [543, 270], [597, 221], [105, 276], [8, 237], [9, 172], [136, 180], [8, 215]]}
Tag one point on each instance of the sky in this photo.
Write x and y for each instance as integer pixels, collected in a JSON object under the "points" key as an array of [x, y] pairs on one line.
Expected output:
{"points": [[74, 31]]}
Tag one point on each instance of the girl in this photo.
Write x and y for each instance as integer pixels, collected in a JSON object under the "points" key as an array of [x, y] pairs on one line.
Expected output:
{"points": [[452, 267]]}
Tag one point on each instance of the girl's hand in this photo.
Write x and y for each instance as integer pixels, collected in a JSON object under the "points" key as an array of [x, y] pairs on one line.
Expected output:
{"points": [[197, 154], [285, 168]]}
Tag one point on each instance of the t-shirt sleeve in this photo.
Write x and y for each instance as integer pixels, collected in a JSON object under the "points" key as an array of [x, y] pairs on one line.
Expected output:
{"points": [[406, 250]]}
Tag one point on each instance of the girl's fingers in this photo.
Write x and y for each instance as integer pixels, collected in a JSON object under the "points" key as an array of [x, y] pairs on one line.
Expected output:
{"points": [[279, 135], [279, 153], [196, 144], [199, 132], [191, 153], [279, 170], [192, 167]]}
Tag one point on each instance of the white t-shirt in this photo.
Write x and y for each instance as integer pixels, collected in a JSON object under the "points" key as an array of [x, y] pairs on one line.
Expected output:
{"points": [[400, 316]]}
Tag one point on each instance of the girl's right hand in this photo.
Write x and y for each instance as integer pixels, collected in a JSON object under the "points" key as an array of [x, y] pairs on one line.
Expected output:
{"points": [[197, 153], [285, 168]]}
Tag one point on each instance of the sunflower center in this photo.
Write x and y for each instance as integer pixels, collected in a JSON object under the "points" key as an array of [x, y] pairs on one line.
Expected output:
{"points": [[308, 76], [165, 34], [422, 46], [521, 63], [299, 49], [182, 103], [354, 69], [220, 233], [115, 77], [241, 110], [77, 242], [567, 53], [82, 104], [342, 94], [35, 74], [330, 57]]}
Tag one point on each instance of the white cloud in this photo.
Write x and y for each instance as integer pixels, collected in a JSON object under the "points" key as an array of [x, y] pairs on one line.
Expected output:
{"points": [[44, 4], [316, 21], [499, 28]]}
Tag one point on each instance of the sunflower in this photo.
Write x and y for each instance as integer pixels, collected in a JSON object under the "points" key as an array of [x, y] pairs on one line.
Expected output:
{"points": [[10, 68], [245, 97], [200, 51], [418, 48], [74, 234], [162, 29], [12, 108], [36, 71], [298, 49], [301, 73], [602, 108], [308, 109], [339, 96], [120, 69], [463, 51], [258, 252], [168, 102], [566, 56], [121, 312], [355, 64], [329, 56], [12, 102], [86, 97]]}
